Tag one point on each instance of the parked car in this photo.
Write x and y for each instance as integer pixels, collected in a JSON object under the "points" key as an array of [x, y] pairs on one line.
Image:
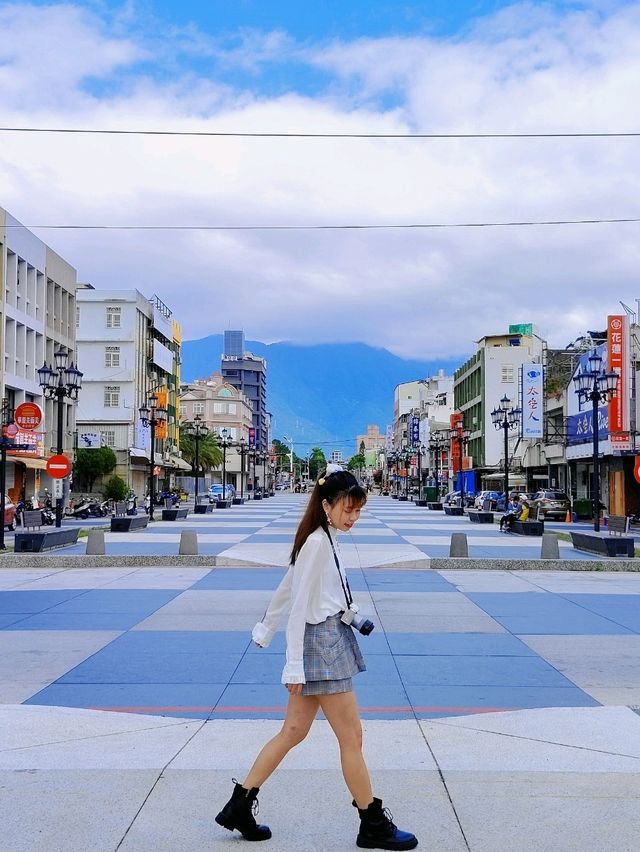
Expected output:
{"points": [[215, 492], [9, 513], [551, 504], [492, 496]]}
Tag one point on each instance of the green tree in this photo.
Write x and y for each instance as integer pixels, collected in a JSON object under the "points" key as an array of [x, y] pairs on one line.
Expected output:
{"points": [[317, 463], [209, 452], [117, 489], [91, 464], [283, 455]]}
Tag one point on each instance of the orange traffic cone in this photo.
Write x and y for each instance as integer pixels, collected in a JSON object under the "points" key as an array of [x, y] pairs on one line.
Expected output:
{"points": [[568, 519]]}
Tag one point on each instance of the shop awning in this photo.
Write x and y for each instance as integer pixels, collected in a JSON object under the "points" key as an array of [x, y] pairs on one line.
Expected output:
{"points": [[179, 464], [138, 454], [29, 463]]}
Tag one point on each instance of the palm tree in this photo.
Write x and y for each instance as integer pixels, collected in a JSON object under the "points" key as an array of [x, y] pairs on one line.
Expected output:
{"points": [[209, 453]]}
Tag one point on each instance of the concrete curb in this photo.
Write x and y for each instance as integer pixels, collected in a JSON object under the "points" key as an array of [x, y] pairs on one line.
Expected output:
{"points": [[54, 561]]}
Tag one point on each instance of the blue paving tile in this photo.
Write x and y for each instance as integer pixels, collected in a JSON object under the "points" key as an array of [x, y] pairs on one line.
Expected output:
{"points": [[479, 671], [143, 601], [437, 701], [115, 664], [255, 668], [78, 621], [10, 621], [622, 609], [458, 644], [181, 700], [184, 641], [382, 702], [223, 578], [381, 671], [252, 701], [35, 601]]}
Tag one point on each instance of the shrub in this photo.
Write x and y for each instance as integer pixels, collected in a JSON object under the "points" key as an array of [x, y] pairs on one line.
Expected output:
{"points": [[116, 489]]}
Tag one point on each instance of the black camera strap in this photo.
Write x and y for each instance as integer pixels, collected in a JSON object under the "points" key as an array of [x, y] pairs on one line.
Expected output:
{"points": [[346, 589]]}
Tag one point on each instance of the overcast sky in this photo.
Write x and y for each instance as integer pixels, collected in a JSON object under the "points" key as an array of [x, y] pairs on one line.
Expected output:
{"points": [[356, 66]]}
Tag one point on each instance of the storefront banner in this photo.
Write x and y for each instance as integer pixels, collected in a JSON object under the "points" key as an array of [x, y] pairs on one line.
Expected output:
{"points": [[89, 440], [580, 415], [415, 431], [618, 352], [388, 441], [532, 397]]}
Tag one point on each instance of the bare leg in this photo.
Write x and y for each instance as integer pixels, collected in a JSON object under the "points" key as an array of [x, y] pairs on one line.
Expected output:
{"points": [[301, 711], [342, 714]]}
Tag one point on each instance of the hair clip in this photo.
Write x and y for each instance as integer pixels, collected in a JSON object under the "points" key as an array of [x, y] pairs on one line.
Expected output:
{"points": [[321, 481]]}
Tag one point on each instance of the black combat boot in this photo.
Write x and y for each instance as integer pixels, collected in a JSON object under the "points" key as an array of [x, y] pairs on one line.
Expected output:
{"points": [[377, 831], [238, 814]]}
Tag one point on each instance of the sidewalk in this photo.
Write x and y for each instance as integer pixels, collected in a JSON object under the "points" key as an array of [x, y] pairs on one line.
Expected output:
{"points": [[498, 705]]}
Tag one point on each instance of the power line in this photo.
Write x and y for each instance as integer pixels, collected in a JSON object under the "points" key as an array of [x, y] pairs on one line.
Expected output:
{"points": [[361, 227], [293, 135]]}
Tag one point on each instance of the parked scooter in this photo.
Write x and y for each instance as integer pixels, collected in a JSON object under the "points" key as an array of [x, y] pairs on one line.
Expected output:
{"points": [[98, 510], [79, 510], [48, 516]]}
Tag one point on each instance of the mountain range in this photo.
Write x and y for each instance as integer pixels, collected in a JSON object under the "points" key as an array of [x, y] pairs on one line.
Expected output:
{"points": [[320, 395]]}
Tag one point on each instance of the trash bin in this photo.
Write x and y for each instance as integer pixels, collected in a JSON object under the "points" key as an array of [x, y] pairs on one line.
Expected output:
{"points": [[430, 493]]}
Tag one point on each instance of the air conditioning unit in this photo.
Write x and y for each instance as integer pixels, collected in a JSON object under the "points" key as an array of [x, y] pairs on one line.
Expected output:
{"points": [[166, 457]]}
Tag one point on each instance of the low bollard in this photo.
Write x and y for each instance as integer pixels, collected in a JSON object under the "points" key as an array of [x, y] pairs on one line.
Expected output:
{"points": [[188, 543], [458, 546], [550, 547], [95, 543]]}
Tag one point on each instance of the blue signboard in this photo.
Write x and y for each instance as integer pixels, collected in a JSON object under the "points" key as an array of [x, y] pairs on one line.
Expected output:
{"points": [[415, 431], [580, 426]]}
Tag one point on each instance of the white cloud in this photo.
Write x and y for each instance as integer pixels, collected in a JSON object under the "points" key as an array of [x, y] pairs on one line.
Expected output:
{"points": [[419, 293]]}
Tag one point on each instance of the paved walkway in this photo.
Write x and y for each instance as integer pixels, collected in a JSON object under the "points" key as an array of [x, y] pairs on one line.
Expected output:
{"points": [[498, 705]]}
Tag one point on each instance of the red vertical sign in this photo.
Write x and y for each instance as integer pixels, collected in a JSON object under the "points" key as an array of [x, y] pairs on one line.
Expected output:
{"points": [[455, 453], [618, 356]]}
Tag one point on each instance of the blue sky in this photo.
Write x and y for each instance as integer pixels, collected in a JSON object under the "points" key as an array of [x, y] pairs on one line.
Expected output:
{"points": [[348, 67]]}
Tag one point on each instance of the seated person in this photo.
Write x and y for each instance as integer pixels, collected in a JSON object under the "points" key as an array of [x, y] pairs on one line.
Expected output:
{"points": [[514, 510]]}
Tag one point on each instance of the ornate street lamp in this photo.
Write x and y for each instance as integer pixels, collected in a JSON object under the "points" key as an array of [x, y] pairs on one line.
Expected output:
{"points": [[506, 417], [63, 381], [197, 429], [595, 385], [436, 442], [243, 451], [458, 434], [151, 415], [225, 441], [419, 449]]}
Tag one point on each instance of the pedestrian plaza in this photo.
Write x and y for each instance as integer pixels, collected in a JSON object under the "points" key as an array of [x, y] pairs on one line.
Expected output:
{"points": [[499, 705]]}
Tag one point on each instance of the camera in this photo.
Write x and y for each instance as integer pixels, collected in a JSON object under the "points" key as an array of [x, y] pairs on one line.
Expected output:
{"points": [[358, 622]]}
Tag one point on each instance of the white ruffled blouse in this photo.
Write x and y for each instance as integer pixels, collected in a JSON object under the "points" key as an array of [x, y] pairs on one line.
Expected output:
{"points": [[312, 587]]}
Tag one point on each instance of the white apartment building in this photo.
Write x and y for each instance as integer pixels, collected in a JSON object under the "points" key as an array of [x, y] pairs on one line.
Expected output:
{"points": [[37, 317], [429, 399], [129, 346]]}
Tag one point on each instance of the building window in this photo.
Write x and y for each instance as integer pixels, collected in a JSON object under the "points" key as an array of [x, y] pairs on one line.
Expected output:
{"points": [[183, 411], [114, 316], [77, 317], [508, 373], [108, 438], [198, 408], [232, 408], [112, 356], [111, 396]]}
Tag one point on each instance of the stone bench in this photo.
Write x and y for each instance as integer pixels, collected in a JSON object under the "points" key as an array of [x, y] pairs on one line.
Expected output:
{"points": [[223, 504], [603, 544], [435, 506], [454, 510], [126, 523], [527, 527], [174, 514], [478, 516], [40, 540]]}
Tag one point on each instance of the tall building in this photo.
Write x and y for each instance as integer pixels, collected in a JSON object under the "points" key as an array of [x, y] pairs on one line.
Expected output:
{"points": [[479, 384], [129, 346], [248, 373], [37, 317], [431, 400]]}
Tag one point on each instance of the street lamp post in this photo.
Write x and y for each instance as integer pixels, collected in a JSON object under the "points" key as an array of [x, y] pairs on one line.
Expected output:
{"points": [[197, 430], [595, 385], [226, 440], [436, 442], [419, 449], [150, 416], [291, 476], [460, 435], [63, 381], [241, 448], [506, 417], [5, 441]]}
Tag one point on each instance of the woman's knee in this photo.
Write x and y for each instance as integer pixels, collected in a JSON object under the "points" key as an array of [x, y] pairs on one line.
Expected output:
{"points": [[294, 733], [350, 737]]}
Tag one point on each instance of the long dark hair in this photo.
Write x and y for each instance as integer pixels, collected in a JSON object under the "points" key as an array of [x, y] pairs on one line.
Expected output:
{"points": [[340, 485]]}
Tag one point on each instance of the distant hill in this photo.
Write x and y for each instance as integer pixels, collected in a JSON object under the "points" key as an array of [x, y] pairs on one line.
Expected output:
{"points": [[320, 395]]}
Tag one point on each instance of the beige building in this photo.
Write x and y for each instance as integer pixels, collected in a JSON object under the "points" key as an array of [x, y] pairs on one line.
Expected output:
{"points": [[220, 406], [373, 445]]}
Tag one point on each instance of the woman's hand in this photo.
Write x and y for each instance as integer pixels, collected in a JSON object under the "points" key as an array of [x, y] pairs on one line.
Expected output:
{"points": [[295, 688]]}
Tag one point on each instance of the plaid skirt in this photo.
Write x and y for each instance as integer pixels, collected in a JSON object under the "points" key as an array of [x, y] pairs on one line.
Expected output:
{"points": [[331, 657]]}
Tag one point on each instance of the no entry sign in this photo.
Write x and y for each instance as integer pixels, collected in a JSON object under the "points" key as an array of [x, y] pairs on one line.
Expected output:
{"points": [[58, 466]]}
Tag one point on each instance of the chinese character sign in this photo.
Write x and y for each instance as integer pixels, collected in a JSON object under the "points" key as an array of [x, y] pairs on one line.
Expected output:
{"points": [[618, 352], [532, 397], [415, 431]]}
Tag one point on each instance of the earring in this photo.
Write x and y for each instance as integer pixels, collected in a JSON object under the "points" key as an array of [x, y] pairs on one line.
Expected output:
{"points": [[328, 519]]}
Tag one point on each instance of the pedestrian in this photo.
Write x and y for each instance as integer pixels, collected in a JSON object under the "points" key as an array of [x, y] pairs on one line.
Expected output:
{"points": [[322, 657]]}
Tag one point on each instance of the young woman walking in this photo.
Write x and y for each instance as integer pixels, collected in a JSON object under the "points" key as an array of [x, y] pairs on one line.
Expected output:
{"points": [[322, 657]]}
